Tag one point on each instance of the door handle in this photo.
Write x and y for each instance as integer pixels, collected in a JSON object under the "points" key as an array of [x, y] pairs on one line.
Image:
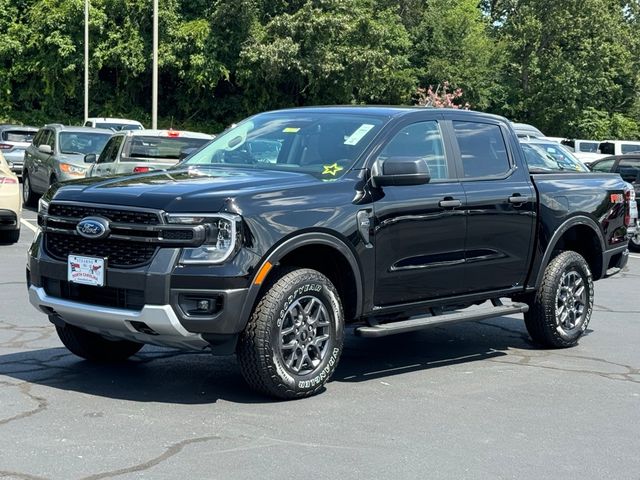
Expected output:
{"points": [[519, 199], [450, 203]]}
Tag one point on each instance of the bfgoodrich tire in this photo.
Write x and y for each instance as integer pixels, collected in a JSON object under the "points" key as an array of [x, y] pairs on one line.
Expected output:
{"points": [[293, 341], [560, 311], [95, 348]]}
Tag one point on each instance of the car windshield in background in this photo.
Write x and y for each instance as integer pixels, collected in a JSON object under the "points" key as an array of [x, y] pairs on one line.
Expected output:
{"points": [[118, 126], [563, 160], [538, 159], [18, 136], [171, 148], [82, 143], [322, 144]]}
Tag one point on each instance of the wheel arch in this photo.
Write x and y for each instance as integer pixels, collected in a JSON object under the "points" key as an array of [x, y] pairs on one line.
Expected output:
{"points": [[582, 235], [320, 251]]}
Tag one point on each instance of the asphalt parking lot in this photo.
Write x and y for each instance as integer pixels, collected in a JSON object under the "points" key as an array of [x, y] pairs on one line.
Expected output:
{"points": [[467, 401]]}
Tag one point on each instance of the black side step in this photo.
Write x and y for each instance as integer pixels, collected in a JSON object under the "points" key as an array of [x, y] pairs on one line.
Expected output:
{"points": [[419, 323]]}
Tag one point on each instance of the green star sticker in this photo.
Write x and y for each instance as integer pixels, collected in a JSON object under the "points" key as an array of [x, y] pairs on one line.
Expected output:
{"points": [[331, 169]]}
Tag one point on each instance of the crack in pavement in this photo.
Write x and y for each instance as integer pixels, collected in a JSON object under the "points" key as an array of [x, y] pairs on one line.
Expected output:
{"points": [[21, 476], [25, 389], [168, 453]]}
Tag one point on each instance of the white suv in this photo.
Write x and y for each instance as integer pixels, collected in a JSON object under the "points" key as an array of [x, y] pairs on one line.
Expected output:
{"points": [[116, 124]]}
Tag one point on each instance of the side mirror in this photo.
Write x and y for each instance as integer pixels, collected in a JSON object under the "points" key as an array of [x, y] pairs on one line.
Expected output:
{"points": [[90, 158], [44, 148], [400, 171], [185, 152]]}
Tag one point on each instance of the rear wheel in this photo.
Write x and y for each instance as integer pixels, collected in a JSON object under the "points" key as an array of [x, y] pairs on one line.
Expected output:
{"points": [[29, 197], [561, 309], [94, 347], [293, 341]]}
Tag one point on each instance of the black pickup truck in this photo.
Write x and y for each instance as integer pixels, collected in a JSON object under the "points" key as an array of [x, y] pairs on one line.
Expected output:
{"points": [[271, 239]]}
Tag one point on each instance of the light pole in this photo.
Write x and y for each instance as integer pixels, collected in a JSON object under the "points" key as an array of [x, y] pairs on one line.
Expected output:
{"points": [[154, 81], [86, 60]]}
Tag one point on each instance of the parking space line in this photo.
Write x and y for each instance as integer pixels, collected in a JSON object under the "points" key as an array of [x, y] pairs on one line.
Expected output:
{"points": [[634, 256], [28, 225]]}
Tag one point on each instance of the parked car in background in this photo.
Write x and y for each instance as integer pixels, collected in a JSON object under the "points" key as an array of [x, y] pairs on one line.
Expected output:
{"points": [[14, 139], [628, 167], [526, 131], [618, 147], [115, 124], [10, 205], [57, 155], [577, 145], [563, 158], [137, 151]]}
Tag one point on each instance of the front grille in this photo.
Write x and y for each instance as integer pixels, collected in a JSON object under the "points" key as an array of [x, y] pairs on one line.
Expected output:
{"points": [[177, 234], [119, 253], [113, 214], [106, 296]]}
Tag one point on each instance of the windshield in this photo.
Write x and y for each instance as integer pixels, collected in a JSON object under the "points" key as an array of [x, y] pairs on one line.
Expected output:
{"points": [[118, 126], [561, 157], [538, 159], [589, 147], [322, 144], [150, 147], [82, 143]]}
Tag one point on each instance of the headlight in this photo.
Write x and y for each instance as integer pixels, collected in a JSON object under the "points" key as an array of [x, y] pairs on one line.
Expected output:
{"points": [[223, 237], [72, 169], [43, 207]]}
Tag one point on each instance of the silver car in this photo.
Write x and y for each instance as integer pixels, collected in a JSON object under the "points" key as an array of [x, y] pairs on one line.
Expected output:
{"points": [[138, 151], [57, 155], [14, 139]]}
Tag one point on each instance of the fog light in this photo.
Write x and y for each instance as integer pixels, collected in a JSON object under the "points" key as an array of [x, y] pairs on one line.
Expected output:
{"points": [[204, 305], [197, 305]]}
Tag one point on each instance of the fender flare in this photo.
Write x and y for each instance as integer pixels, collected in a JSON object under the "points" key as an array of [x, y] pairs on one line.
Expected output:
{"points": [[289, 245], [555, 238]]}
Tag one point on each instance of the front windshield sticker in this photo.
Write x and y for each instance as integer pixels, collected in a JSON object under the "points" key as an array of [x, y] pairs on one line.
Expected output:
{"points": [[356, 136], [291, 130], [331, 169]]}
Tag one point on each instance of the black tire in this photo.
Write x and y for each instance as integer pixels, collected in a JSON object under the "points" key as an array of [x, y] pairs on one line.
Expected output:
{"points": [[95, 348], [295, 364], [634, 242], [565, 278], [9, 236], [29, 197]]}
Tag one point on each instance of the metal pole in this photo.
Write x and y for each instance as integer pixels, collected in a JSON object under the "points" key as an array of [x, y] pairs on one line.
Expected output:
{"points": [[154, 81], [86, 60]]}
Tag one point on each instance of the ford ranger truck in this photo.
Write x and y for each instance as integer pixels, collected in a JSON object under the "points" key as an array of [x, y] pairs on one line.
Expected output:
{"points": [[294, 224]]}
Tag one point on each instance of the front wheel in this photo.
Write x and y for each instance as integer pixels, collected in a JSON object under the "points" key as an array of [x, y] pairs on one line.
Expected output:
{"points": [[293, 341], [94, 347], [561, 309]]}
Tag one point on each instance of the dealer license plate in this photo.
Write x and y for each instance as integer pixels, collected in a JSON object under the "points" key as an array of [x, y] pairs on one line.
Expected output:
{"points": [[85, 270]]}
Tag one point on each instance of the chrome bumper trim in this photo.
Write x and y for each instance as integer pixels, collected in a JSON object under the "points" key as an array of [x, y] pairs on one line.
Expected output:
{"points": [[116, 322]]}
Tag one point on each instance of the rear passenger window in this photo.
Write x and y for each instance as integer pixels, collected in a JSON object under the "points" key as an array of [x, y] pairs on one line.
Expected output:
{"points": [[482, 147], [420, 140]]}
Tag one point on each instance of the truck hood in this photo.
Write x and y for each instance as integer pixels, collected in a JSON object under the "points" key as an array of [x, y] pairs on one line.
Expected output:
{"points": [[180, 190]]}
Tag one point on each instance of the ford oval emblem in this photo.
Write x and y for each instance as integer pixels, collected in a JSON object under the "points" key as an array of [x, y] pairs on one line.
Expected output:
{"points": [[93, 227]]}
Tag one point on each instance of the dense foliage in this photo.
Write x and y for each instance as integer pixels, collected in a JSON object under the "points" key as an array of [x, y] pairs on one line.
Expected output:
{"points": [[571, 68]]}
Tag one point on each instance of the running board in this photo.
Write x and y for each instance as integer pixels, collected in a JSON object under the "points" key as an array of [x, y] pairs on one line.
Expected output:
{"points": [[419, 323]]}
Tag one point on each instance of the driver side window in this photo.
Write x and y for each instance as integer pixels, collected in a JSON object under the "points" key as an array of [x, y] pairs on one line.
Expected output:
{"points": [[420, 140], [110, 150]]}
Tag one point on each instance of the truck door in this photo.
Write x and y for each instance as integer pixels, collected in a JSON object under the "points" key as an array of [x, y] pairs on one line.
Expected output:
{"points": [[105, 164], [419, 230], [501, 207]]}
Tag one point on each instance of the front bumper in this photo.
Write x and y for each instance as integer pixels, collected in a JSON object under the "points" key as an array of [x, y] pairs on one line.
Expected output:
{"points": [[145, 304]]}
